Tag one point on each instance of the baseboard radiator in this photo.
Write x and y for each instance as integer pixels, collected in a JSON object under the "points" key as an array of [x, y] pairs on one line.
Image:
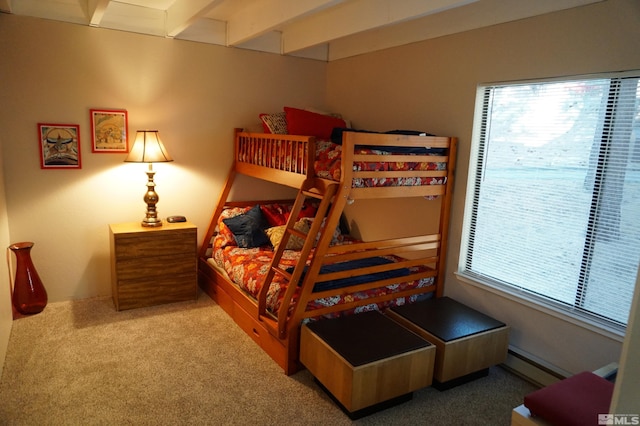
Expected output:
{"points": [[533, 369]]}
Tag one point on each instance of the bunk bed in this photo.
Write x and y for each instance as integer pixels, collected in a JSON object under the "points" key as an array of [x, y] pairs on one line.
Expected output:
{"points": [[308, 269]]}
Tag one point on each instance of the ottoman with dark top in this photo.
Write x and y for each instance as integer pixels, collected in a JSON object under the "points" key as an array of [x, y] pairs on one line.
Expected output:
{"points": [[366, 362], [467, 342]]}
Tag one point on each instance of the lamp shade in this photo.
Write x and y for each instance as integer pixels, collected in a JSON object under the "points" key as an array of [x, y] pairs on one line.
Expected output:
{"points": [[148, 148]]}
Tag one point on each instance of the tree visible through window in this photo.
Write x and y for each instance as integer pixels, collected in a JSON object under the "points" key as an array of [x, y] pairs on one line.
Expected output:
{"points": [[553, 209]]}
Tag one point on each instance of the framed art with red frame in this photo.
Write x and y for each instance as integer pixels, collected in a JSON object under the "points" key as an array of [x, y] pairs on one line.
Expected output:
{"points": [[59, 146]]}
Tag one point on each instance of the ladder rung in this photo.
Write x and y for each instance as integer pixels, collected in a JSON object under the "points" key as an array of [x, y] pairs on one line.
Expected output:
{"points": [[270, 323], [324, 192], [282, 272], [297, 233], [316, 195]]}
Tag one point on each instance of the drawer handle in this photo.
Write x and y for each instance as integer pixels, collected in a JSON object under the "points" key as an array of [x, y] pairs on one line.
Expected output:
{"points": [[256, 332]]}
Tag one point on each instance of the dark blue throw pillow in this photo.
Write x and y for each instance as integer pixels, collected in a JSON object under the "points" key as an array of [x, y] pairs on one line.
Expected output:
{"points": [[248, 228]]}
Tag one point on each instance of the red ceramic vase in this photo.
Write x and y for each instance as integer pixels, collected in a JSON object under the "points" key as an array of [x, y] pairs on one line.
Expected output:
{"points": [[29, 295]]}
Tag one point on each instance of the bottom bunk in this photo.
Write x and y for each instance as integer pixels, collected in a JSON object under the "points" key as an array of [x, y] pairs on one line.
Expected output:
{"points": [[233, 277]]}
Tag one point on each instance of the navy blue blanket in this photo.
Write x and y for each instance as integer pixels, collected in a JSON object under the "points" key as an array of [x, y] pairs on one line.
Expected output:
{"points": [[359, 279], [336, 137]]}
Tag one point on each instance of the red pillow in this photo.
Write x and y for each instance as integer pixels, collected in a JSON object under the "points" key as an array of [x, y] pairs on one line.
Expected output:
{"points": [[308, 210], [301, 122], [276, 214], [265, 127], [575, 401]]}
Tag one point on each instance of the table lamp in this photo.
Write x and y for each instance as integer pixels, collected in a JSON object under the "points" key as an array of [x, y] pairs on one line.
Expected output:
{"points": [[148, 148]]}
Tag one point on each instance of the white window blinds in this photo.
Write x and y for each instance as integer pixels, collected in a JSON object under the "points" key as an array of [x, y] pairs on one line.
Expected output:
{"points": [[553, 207]]}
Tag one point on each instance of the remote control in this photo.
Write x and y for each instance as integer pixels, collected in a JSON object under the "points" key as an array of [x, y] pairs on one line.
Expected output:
{"points": [[174, 219]]}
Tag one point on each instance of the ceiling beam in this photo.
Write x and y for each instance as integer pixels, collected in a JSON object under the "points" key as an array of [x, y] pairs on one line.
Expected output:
{"points": [[183, 13], [95, 10], [134, 18], [206, 30], [357, 16], [74, 11], [260, 17], [477, 15]]}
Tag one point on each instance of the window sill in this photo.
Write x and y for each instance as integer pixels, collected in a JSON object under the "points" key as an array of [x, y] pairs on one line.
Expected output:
{"points": [[565, 314]]}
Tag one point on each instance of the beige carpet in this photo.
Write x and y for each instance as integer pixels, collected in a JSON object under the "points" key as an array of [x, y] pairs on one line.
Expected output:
{"points": [[83, 363]]}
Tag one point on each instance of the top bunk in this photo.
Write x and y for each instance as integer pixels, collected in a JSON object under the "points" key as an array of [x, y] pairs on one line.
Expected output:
{"points": [[372, 165]]}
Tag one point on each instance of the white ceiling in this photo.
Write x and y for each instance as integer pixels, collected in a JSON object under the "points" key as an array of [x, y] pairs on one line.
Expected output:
{"points": [[319, 29]]}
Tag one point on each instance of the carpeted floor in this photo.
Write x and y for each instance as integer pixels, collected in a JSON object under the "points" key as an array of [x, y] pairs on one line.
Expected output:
{"points": [[187, 363]]}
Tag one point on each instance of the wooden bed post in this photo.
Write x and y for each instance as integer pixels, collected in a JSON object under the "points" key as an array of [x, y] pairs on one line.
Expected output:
{"points": [[445, 211]]}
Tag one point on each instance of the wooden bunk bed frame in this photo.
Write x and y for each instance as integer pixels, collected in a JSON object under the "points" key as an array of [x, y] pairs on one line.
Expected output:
{"points": [[260, 156]]}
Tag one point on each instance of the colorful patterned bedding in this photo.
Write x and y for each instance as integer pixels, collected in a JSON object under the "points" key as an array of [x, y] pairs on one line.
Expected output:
{"points": [[328, 161], [248, 267]]}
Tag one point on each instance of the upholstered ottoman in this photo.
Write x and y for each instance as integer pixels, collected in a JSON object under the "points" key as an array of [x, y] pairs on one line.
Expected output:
{"points": [[467, 342], [366, 362], [580, 400], [583, 400]]}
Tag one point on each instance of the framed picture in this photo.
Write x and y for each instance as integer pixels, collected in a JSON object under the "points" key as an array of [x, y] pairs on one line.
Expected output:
{"points": [[109, 130], [59, 146]]}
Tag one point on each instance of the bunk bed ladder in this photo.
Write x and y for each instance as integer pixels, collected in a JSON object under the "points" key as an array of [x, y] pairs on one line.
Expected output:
{"points": [[318, 189]]}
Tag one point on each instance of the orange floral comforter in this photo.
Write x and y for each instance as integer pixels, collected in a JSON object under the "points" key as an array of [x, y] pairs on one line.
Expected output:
{"points": [[248, 267]]}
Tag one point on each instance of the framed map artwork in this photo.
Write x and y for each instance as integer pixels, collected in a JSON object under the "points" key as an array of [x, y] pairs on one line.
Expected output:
{"points": [[59, 146], [109, 131]]}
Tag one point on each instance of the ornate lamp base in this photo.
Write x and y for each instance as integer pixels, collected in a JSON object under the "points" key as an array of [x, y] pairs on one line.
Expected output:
{"points": [[151, 198]]}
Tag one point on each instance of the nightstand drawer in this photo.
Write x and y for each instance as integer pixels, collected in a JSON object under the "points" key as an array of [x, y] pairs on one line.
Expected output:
{"points": [[136, 293], [155, 244], [155, 266]]}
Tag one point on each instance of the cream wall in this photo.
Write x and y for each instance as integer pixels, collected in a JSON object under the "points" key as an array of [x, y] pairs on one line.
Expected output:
{"points": [[6, 314], [193, 93], [431, 86]]}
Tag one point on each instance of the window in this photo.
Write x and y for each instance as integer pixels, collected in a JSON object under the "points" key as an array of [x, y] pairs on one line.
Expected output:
{"points": [[553, 202]]}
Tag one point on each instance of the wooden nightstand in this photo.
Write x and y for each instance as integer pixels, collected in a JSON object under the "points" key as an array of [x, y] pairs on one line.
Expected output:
{"points": [[151, 266]]}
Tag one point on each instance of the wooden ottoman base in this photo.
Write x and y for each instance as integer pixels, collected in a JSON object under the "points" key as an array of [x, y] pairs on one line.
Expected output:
{"points": [[363, 412], [366, 362], [467, 342]]}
